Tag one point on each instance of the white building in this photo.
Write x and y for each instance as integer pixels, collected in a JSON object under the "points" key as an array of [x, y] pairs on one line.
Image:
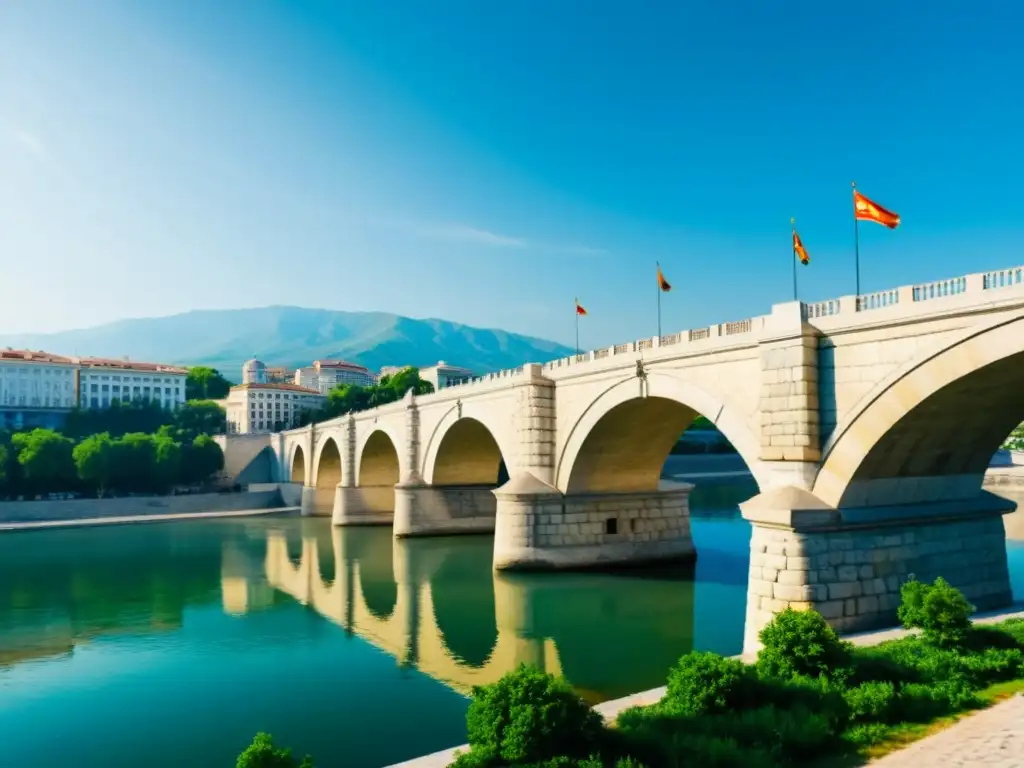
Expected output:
{"points": [[325, 375], [102, 382], [443, 375], [36, 388], [256, 405]]}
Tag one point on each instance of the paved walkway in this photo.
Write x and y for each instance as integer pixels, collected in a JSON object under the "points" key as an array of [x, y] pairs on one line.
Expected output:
{"points": [[89, 521], [992, 737]]}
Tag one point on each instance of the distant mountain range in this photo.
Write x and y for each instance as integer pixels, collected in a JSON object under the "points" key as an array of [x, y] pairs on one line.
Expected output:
{"points": [[294, 336]]}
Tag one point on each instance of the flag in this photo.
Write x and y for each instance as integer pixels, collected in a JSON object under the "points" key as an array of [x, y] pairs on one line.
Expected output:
{"points": [[579, 308], [867, 210], [663, 284], [799, 250]]}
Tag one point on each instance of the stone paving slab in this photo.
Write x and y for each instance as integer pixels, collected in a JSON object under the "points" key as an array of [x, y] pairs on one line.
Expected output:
{"points": [[991, 737], [90, 521]]}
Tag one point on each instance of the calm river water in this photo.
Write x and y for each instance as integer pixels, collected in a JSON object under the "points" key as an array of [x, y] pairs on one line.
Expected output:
{"points": [[172, 644]]}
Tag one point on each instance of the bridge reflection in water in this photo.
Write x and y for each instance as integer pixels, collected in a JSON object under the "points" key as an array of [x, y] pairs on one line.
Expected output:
{"points": [[437, 605]]}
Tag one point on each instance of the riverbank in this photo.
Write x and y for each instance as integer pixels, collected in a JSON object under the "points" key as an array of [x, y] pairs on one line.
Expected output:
{"points": [[609, 710], [18, 515], [96, 521]]}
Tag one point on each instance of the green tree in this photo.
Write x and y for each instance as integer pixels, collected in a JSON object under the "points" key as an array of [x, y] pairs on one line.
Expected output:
{"points": [[205, 383], [93, 461], [119, 419], [263, 754], [350, 398], [46, 460], [199, 417], [201, 459], [134, 462], [166, 462], [4, 454]]}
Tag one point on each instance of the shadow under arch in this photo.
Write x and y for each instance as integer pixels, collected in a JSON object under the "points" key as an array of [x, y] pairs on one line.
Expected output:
{"points": [[297, 471], [377, 473], [624, 446], [328, 469], [928, 431], [467, 455], [462, 590]]}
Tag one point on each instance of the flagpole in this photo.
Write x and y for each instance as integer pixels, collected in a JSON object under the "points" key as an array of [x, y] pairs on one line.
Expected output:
{"points": [[793, 259], [576, 311], [658, 265], [856, 246]]}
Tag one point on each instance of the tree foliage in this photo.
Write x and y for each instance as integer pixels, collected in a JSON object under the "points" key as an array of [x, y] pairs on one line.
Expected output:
{"points": [[940, 611], [263, 754], [192, 418], [94, 461], [205, 383], [349, 398], [46, 460]]}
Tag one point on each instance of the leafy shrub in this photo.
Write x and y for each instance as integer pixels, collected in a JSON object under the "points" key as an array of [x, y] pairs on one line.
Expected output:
{"points": [[865, 734], [263, 754], [802, 643], [703, 682], [529, 716], [939, 610], [871, 701]]}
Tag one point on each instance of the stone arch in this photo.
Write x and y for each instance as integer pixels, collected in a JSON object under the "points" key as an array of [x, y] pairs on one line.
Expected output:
{"points": [[929, 430], [297, 465], [465, 453], [328, 464], [450, 442], [621, 441], [379, 462]]}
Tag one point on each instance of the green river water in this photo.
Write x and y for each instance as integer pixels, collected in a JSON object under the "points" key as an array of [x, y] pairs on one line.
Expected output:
{"points": [[165, 645]]}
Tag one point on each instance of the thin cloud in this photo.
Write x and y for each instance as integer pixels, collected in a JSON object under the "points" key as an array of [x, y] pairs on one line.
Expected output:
{"points": [[473, 235], [32, 143]]}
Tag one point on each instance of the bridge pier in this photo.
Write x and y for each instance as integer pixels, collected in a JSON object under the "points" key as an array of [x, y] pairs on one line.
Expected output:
{"points": [[423, 510], [371, 505], [849, 564], [307, 501], [540, 528]]}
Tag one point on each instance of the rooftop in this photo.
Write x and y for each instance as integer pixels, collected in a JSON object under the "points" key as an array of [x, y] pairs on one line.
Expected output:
{"points": [[129, 365], [34, 356], [286, 387], [340, 364]]}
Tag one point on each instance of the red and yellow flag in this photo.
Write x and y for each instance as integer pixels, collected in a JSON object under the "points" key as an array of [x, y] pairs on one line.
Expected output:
{"points": [[868, 210], [663, 284], [799, 250], [579, 308]]}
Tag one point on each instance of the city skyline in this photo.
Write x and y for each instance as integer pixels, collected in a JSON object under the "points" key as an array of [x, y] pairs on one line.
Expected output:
{"points": [[486, 167]]}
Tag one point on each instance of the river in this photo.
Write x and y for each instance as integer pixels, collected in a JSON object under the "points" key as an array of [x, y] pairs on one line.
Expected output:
{"points": [[172, 644]]}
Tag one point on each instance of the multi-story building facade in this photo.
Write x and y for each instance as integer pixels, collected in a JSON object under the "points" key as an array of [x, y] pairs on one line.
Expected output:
{"points": [[102, 382], [325, 375], [259, 406], [37, 389], [443, 375]]}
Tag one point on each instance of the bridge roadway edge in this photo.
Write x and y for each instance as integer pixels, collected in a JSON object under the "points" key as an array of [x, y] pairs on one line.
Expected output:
{"points": [[609, 710]]}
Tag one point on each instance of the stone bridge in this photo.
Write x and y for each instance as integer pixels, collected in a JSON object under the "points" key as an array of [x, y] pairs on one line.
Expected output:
{"points": [[868, 423], [382, 590]]}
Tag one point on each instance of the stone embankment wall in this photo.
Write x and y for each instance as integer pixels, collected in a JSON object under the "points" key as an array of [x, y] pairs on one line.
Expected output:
{"points": [[444, 510], [853, 577], [85, 509]]}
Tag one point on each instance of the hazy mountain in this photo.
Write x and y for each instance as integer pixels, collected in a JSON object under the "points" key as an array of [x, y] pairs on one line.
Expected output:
{"points": [[294, 336]]}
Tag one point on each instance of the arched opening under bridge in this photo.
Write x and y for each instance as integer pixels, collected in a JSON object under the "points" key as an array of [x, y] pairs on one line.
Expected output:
{"points": [[328, 475], [378, 473], [297, 471]]}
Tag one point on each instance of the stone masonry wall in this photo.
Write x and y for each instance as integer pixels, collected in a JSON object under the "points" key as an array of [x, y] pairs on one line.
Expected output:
{"points": [[789, 400], [426, 511], [85, 509], [536, 406], [592, 530], [853, 576]]}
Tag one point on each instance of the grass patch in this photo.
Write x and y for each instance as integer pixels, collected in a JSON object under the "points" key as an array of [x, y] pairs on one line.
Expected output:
{"points": [[811, 699]]}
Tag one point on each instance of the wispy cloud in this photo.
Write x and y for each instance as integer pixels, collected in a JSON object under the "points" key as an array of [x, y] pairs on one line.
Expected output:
{"points": [[466, 234], [31, 142]]}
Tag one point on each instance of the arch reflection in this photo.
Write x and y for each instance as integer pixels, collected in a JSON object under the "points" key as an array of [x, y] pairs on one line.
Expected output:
{"points": [[436, 604]]}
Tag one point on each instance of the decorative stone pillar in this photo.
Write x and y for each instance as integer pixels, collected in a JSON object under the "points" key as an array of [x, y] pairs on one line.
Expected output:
{"points": [[536, 427], [789, 401], [849, 564], [411, 477]]}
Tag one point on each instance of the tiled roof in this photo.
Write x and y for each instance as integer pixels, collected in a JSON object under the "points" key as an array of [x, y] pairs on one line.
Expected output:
{"points": [[287, 387], [34, 356], [130, 365], [341, 364]]}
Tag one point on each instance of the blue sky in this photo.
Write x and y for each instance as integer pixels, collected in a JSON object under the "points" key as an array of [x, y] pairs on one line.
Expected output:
{"points": [[486, 162]]}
